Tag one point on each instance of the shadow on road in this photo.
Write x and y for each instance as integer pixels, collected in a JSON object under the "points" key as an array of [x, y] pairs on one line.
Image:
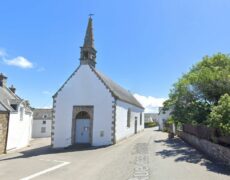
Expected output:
{"points": [[184, 152], [44, 150]]}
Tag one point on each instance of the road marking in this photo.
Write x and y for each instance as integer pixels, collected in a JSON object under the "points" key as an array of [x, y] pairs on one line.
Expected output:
{"points": [[63, 163], [141, 168]]}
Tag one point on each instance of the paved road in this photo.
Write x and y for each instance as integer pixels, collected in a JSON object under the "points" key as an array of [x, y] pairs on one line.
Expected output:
{"points": [[148, 155]]}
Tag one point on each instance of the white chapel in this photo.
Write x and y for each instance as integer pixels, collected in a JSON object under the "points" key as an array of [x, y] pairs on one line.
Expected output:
{"points": [[92, 109]]}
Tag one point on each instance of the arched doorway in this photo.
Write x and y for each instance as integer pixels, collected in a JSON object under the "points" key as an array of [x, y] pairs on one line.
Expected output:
{"points": [[83, 128]]}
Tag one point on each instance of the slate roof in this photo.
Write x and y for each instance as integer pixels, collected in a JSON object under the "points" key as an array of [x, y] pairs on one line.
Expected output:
{"points": [[39, 114], [7, 98], [117, 91], [2, 108]]}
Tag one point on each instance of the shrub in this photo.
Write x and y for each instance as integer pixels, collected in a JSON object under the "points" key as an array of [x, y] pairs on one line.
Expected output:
{"points": [[150, 124], [220, 115]]}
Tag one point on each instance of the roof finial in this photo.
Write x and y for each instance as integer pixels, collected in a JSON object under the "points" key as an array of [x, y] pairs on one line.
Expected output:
{"points": [[90, 15]]}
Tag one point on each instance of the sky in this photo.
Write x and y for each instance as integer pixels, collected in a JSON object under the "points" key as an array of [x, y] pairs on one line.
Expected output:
{"points": [[143, 45]]}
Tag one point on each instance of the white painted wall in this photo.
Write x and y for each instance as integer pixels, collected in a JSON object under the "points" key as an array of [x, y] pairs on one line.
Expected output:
{"points": [[83, 89], [162, 118], [122, 131], [19, 133], [37, 126]]}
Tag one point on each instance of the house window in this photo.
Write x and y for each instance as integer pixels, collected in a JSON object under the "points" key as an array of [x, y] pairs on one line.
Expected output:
{"points": [[45, 116], [43, 129], [43, 122], [21, 113], [14, 106], [128, 117], [140, 118]]}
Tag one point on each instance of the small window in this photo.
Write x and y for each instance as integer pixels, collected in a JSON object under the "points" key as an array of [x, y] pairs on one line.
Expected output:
{"points": [[43, 122], [43, 129], [140, 118], [45, 116], [86, 55], [102, 133], [14, 106], [21, 113], [128, 117]]}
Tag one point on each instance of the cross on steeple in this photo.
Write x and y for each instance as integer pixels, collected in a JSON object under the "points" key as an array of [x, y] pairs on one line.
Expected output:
{"points": [[88, 52], [90, 15]]}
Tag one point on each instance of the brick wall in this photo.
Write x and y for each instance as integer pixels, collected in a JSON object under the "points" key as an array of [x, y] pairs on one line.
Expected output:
{"points": [[216, 152], [3, 131]]}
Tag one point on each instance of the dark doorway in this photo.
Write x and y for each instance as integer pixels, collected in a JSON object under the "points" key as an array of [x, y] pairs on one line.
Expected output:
{"points": [[135, 128]]}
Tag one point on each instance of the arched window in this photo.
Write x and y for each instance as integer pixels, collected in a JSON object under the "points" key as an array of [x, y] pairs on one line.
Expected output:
{"points": [[86, 55], [83, 115]]}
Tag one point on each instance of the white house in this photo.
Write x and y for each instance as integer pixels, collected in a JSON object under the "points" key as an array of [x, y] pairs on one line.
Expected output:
{"points": [[163, 117], [150, 117], [17, 121], [91, 108], [42, 122]]}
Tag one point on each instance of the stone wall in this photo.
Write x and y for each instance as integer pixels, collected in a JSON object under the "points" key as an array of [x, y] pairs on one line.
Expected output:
{"points": [[216, 152], [3, 131]]}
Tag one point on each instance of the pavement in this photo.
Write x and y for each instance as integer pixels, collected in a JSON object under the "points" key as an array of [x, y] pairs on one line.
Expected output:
{"points": [[149, 155]]}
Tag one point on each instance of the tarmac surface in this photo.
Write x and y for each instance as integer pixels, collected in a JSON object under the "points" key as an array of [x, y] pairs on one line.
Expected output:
{"points": [[149, 155]]}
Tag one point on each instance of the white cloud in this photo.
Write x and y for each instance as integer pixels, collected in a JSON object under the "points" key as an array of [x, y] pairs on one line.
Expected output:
{"points": [[2, 53], [19, 62], [150, 103]]}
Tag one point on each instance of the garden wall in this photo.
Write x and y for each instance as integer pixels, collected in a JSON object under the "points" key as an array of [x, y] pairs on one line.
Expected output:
{"points": [[3, 131], [216, 152]]}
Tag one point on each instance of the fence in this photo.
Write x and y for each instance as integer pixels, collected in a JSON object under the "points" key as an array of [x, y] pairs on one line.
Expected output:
{"points": [[210, 134]]}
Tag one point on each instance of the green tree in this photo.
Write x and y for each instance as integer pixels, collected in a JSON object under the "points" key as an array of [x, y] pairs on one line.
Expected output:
{"points": [[210, 78], [197, 91], [220, 115]]}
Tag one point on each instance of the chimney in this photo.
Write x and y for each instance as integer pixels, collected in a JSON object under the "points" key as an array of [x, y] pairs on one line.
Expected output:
{"points": [[3, 80], [13, 89], [27, 103]]}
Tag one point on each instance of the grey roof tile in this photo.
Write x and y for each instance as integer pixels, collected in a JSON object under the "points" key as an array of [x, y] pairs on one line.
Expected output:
{"points": [[7, 98], [40, 113], [118, 91], [2, 108]]}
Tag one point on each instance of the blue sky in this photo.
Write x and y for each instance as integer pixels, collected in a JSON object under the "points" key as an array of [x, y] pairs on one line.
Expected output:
{"points": [[145, 46]]}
